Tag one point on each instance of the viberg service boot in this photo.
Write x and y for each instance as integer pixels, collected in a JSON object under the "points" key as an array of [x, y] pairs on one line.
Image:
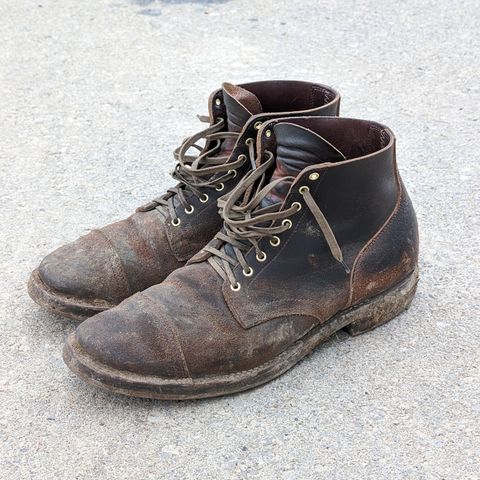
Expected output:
{"points": [[99, 270], [321, 236]]}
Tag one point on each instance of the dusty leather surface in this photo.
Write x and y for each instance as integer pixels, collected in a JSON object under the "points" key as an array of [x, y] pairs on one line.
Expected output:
{"points": [[195, 325], [183, 327]]}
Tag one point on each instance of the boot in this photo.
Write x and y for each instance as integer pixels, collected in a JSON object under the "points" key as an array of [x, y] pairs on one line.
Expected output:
{"points": [[99, 270], [321, 236]]}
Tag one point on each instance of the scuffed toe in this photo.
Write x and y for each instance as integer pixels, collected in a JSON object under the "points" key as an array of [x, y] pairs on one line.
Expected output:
{"points": [[87, 268], [133, 337]]}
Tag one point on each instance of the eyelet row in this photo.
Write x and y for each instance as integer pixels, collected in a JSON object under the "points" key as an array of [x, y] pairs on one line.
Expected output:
{"points": [[204, 199], [274, 241]]}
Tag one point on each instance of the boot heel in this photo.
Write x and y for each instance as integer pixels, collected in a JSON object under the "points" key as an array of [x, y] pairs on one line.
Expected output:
{"points": [[382, 308]]}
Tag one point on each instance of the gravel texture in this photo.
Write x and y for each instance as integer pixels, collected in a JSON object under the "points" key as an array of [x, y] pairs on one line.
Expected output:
{"points": [[94, 96]]}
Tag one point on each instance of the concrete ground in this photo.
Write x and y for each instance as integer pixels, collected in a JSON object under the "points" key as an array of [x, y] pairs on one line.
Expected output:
{"points": [[94, 96]]}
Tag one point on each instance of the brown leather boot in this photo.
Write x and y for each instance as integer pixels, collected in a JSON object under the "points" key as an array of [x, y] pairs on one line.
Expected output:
{"points": [[99, 270], [321, 236]]}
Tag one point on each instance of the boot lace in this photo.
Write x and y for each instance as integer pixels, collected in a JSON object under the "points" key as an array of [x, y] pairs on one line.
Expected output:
{"points": [[247, 222], [207, 170]]}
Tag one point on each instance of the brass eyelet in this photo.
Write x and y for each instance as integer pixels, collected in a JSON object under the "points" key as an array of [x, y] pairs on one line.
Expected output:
{"points": [[232, 172], [248, 141], [189, 209], [287, 222], [261, 257], [275, 241], [218, 102], [242, 158], [219, 187], [298, 205], [236, 287], [303, 189], [314, 176], [175, 222], [204, 198], [257, 125], [268, 133], [249, 272]]}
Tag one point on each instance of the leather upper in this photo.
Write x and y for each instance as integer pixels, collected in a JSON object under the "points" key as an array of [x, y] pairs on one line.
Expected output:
{"points": [[356, 197], [193, 324]]}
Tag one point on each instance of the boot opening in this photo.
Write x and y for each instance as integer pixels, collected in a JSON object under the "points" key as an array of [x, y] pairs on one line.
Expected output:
{"points": [[290, 95], [352, 137]]}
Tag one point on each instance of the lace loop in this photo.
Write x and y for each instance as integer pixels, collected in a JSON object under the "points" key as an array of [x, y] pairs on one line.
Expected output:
{"points": [[324, 227], [209, 169]]}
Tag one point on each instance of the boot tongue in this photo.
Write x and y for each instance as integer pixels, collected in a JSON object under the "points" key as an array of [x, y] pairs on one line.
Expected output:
{"points": [[240, 105], [297, 148]]}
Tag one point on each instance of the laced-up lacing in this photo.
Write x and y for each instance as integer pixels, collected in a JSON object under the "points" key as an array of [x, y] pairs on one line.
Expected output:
{"points": [[207, 170], [247, 222]]}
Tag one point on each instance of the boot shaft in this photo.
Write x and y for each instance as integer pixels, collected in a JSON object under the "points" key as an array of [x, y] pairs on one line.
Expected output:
{"points": [[362, 195], [271, 99], [348, 196], [244, 108], [350, 169]]}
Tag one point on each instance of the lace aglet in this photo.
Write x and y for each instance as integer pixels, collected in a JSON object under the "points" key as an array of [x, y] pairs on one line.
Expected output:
{"points": [[345, 266]]}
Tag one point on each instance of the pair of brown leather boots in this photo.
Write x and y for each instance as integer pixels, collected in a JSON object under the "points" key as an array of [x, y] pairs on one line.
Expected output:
{"points": [[286, 225]]}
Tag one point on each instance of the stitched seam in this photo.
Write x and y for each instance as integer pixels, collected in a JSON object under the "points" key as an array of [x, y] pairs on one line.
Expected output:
{"points": [[174, 331], [146, 244], [373, 240], [273, 360], [117, 255], [313, 91], [269, 362]]}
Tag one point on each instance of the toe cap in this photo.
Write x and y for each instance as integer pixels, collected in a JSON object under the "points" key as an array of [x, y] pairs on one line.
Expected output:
{"points": [[87, 268], [133, 337]]}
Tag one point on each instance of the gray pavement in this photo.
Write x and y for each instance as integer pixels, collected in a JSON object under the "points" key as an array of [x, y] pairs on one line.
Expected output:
{"points": [[94, 96]]}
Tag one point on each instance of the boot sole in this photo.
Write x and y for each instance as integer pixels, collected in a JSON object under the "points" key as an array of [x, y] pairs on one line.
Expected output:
{"points": [[61, 304], [355, 320]]}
